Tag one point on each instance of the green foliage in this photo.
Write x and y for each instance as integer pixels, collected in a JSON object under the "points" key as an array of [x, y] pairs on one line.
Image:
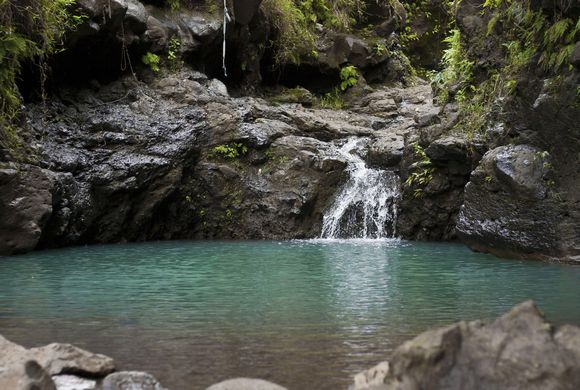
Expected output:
{"points": [[231, 151], [332, 100], [531, 37], [295, 23], [152, 61], [491, 4], [175, 62], [294, 37], [458, 69], [29, 32], [348, 77], [422, 172], [174, 5], [380, 49]]}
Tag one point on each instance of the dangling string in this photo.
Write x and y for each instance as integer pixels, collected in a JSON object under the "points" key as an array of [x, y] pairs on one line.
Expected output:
{"points": [[226, 20]]}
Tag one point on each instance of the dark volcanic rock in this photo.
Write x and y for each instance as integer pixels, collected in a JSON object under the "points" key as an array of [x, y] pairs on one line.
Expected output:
{"points": [[519, 350], [25, 207], [180, 159], [509, 207]]}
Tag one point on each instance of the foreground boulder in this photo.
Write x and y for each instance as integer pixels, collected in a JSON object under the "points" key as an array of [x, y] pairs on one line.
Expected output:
{"points": [[511, 208], [245, 384], [18, 370], [131, 380], [519, 350], [22, 368]]}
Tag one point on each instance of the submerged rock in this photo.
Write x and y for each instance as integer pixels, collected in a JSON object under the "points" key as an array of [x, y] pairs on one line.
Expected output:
{"points": [[245, 384], [73, 382], [519, 350], [135, 380]]}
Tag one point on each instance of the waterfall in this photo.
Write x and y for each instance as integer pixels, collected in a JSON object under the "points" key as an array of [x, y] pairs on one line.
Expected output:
{"points": [[366, 207]]}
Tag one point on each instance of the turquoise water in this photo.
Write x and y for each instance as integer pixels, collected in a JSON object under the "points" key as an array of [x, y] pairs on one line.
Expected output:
{"points": [[305, 314]]}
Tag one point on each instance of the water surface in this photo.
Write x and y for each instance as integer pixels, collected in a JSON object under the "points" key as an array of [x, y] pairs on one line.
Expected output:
{"points": [[305, 314]]}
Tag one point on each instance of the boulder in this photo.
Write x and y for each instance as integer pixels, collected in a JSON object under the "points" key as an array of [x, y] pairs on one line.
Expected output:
{"points": [[19, 371], [244, 10], [131, 380], [245, 384], [386, 151], [448, 148], [519, 350], [73, 382], [59, 358], [25, 207], [511, 207]]}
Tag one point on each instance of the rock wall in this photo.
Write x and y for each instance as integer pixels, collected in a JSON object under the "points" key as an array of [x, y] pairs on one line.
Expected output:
{"points": [[522, 201]]}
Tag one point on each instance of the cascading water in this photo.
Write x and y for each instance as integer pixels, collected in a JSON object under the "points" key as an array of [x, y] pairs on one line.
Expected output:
{"points": [[366, 207]]}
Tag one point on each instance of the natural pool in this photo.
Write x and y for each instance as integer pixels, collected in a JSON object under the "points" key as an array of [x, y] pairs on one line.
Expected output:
{"points": [[304, 314]]}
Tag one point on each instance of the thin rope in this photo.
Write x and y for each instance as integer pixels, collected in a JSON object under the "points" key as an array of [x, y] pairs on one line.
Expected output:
{"points": [[226, 20]]}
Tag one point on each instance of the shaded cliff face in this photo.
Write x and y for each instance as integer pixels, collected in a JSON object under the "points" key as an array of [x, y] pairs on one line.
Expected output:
{"points": [[118, 157], [522, 200], [178, 158]]}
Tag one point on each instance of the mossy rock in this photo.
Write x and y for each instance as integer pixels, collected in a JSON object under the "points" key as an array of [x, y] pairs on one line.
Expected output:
{"points": [[296, 95]]}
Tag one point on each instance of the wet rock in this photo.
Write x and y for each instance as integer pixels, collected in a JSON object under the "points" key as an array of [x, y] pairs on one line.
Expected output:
{"points": [[510, 209], [67, 359], [372, 378], [448, 148], [218, 88], [135, 380], [244, 10], [25, 207], [519, 350], [386, 151], [296, 95], [575, 56], [136, 17], [245, 384], [73, 382]]}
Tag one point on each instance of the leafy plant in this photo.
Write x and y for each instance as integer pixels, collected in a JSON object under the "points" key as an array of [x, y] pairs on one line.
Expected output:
{"points": [[380, 49], [230, 151], [173, 54], [348, 77], [423, 171], [151, 60]]}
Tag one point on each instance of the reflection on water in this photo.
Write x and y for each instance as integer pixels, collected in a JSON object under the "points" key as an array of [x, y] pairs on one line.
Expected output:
{"points": [[305, 314]]}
